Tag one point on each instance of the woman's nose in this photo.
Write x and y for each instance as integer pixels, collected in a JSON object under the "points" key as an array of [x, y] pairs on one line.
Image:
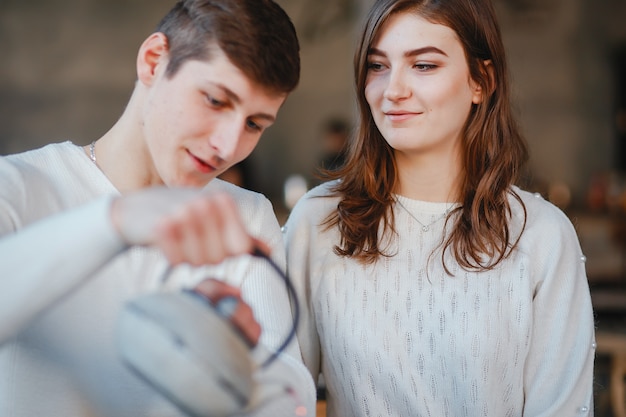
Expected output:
{"points": [[397, 87]]}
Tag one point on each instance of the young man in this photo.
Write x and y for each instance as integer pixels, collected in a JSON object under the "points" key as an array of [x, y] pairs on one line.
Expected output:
{"points": [[84, 230]]}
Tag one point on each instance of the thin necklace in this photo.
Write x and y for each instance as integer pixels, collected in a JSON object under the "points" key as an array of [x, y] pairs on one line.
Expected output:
{"points": [[425, 227], [92, 152]]}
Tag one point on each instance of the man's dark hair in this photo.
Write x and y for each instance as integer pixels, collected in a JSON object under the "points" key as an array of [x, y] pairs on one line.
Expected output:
{"points": [[257, 36]]}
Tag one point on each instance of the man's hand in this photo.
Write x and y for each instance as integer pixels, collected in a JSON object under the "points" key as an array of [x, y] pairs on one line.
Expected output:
{"points": [[242, 316], [188, 225]]}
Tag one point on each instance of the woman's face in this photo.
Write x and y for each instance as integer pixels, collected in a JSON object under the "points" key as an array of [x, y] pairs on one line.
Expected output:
{"points": [[418, 86]]}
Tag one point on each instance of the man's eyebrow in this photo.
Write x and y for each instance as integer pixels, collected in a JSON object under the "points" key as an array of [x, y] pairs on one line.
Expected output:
{"points": [[411, 53], [232, 96]]}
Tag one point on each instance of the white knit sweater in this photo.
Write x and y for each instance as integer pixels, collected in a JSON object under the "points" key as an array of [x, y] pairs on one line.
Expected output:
{"points": [[402, 338], [64, 278]]}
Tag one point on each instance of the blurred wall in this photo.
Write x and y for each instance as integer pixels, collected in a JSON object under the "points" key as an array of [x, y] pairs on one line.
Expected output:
{"points": [[68, 67], [68, 70]]}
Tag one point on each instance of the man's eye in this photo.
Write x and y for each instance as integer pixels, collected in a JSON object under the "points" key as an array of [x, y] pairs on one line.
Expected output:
{"points": [[250, 124], [214, 102]]}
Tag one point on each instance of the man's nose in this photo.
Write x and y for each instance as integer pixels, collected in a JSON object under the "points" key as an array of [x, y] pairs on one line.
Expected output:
{"points": [[225, 138]]}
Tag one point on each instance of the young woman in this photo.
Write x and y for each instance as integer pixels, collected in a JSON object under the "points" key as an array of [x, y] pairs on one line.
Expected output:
{"points": [[76, 222], [434, 286]]}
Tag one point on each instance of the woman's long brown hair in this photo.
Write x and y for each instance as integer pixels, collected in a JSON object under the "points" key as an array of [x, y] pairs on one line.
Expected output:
{"points": [[493, 150]]}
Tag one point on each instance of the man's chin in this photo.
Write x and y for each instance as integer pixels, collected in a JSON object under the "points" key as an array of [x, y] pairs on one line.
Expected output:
{"points": [[195, 183]]}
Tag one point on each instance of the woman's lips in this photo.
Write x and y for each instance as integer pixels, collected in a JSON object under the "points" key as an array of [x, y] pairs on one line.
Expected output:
{"points": [[400, 116]]}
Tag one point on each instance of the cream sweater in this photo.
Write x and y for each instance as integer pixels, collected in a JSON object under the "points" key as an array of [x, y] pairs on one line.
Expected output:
{"points": [[402, 338], [64, 275]]}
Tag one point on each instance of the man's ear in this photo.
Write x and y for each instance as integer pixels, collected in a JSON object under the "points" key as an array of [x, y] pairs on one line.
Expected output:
{"points": [[478, 92], [152, 57]]}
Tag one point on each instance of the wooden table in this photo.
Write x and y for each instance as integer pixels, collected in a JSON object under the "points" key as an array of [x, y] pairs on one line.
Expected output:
{"points": [[614, 345]]}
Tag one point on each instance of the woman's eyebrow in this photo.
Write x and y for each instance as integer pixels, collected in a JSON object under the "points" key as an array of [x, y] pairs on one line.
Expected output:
{"points": [[411, 53]]}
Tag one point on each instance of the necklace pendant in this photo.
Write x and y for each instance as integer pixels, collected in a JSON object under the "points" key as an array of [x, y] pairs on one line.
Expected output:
{"points": [[92, 152], [424, 227]]}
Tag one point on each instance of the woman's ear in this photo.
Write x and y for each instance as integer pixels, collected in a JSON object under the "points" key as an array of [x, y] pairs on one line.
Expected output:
{"points": [[152, 56], [478, 92]]}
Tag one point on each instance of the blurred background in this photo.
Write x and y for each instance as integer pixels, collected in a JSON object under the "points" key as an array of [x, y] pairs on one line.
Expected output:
{"points": [[68, 70]]}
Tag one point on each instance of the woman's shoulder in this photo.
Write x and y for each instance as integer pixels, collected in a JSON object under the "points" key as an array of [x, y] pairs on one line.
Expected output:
{"points": [[538, 208], [540, 218], [317, 203]]}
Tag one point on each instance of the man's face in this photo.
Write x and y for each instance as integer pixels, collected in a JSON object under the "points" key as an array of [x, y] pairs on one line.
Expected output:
{"points": [[204, 119]]}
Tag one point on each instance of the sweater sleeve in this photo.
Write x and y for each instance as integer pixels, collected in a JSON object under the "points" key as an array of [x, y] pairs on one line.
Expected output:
{"points": [[44, 260], [300, 235], [282, 390], [559, 368], [285, 384]]}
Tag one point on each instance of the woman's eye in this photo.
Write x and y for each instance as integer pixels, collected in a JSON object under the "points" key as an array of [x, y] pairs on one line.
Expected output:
{"points": [[374, 66], [425, 67]]}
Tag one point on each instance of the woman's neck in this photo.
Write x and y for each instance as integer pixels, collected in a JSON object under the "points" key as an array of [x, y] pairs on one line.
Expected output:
{"points": [[428, 179]]}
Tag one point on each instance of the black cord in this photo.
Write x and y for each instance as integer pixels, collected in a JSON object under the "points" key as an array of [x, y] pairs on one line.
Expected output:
{"points": [[296, 306], [292, 293]]}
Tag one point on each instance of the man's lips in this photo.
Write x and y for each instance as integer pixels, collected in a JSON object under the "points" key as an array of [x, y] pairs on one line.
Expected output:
{"points": [[201, 165]]}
